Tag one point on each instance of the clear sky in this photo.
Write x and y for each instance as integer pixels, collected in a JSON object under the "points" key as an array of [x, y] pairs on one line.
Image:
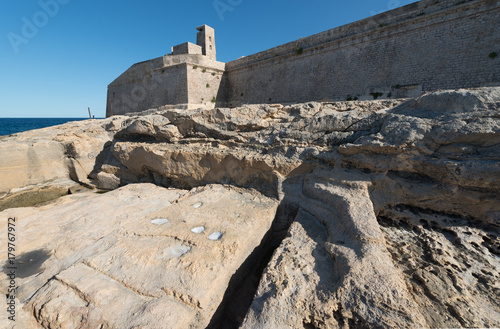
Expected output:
{"points": [[58, 56]]}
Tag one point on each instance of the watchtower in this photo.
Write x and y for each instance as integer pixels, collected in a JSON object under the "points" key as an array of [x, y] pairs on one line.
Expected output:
{"points": [[206, 40]]}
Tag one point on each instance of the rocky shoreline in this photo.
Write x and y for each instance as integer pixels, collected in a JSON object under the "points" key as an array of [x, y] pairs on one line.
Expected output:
{"points": [[361, 214]]}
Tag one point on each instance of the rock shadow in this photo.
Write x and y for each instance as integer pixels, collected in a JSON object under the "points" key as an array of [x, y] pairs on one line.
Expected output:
{"points": [[244, 283], [27, 264]]}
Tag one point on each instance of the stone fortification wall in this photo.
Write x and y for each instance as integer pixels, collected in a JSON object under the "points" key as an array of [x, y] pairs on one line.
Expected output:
{"points": [[205, 85], [187, 48], [204, 78], [166, 81], [427, 45], [147, 85]]}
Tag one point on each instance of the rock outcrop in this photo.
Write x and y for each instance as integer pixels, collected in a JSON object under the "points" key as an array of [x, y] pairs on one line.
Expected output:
{"points": [[138, 257], [39, 160], [388, 216]]}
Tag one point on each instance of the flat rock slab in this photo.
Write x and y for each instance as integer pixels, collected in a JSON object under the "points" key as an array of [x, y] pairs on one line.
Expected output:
{"points": [[132, 258]]}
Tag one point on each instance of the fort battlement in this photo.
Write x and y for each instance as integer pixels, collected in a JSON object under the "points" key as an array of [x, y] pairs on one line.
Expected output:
{"points": [[423, 46]]}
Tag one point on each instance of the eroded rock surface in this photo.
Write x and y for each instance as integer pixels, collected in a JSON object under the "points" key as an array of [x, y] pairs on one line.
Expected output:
{"points": [[450, 264], [389, 215]]}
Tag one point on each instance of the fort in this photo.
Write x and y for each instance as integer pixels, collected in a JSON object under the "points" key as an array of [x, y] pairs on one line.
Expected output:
{"points": [[424, 46]]}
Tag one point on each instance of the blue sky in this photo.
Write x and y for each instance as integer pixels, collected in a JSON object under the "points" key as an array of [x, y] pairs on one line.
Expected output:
{"points": [[58, 56]]}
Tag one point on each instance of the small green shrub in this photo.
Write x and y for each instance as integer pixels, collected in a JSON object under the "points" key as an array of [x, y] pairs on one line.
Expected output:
{"points": [[270, 99], [242, 94], [397, 86], [213, 74], [349, 98], [376, 95], [383, 24], [204, 70], [213, 100], [208, 85], [195, 67], [459, 3], [299, 50], [493, 55]]}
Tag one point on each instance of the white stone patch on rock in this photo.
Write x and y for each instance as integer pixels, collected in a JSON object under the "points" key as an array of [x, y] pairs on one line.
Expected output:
{"points": [[215, 236], [198, 205], [198, 229], [177, 251], [159, 221]]}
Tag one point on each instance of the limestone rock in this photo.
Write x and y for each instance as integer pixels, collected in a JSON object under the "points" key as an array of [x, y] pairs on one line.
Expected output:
{"points": [[167, 164], [450, 265], [107, 181], [169, 133], [333, 269], [129, 258], [68, 151], [388, 217], [23, 164], [38, 194], [115, 123], [154, 126]]}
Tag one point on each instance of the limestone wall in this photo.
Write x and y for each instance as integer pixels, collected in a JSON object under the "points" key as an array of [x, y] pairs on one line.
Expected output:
{"points": [[420, 45], [147, 85], [205, 86], [186, 48], [167, 81]]}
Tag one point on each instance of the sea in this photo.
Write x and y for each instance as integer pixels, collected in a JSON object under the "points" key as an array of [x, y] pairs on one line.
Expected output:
{"points": [[10, 126]]}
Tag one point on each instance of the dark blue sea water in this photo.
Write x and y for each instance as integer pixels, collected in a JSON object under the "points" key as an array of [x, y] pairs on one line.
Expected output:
{"points": [[15, 125]]}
